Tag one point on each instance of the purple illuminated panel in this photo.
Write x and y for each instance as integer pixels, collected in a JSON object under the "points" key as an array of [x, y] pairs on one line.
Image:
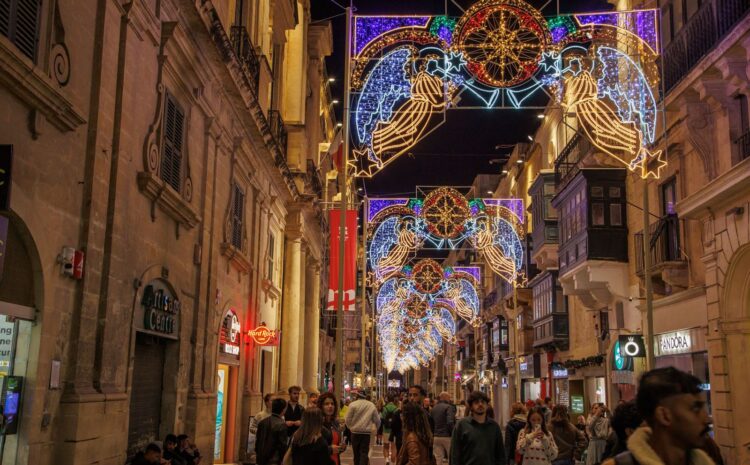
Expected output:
{"points": [[375, 206], [641, 23], [367, 28], [474, 271], [514, 205]]}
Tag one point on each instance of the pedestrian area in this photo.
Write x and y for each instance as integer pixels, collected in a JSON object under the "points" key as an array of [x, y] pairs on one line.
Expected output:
{"points": [[376, 454]]}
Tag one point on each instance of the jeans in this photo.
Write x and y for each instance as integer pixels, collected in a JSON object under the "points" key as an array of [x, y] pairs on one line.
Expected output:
{"points": [[361, 448]]}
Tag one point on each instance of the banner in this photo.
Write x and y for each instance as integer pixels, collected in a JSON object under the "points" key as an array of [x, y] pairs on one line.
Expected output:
{"points": [[350, 260]]}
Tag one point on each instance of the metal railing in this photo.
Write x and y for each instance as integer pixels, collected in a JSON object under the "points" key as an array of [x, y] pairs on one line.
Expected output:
{"points": [[315, 178], [245, 53], [713, 20], [664, 243], [743, 145], [568, 161], [278, 130]]}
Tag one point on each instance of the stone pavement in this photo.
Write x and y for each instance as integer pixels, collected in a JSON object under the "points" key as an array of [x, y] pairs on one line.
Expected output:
{"points": [[376, 454]]}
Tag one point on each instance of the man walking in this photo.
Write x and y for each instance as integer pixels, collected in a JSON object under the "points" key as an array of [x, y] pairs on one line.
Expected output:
{"points": [[293, 413], [477, 439], [674, 408], [271, 442], [416, 394], [361, 419], [444, 418]]}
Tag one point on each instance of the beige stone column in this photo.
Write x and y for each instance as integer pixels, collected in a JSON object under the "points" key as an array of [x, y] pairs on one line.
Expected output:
{"points": [[290, 317], [301, 311], [312, 328]]}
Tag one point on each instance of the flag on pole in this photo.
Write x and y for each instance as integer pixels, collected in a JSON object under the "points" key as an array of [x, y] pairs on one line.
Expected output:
{"points": [[350, 260], [336, 149]]}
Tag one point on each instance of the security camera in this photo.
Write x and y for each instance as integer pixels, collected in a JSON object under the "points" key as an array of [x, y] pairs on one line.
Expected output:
{"points": [[630, 298]]}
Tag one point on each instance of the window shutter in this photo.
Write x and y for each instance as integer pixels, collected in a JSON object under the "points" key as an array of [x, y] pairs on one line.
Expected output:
{"points": [[19, 21], [238, 207], [171, 163]]}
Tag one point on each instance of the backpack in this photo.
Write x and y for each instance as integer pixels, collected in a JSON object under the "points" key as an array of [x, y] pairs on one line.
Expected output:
{"points": [[388, 417]]}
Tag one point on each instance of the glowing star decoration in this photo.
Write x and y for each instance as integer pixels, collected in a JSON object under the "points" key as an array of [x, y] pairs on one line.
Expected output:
{"points": [[407, 70]]}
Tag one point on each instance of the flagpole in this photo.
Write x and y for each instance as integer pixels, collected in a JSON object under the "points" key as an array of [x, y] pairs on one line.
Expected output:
{"points": [[338, 383]]}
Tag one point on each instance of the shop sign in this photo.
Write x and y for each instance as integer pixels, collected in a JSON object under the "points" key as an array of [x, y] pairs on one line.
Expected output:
{"points": [[559, 373], [678, 342], [264, 336], [11, 400], [394, 383], [529, 366], [620, 361], [632, 346], [161, 310], [576, 404], [229, 340]]}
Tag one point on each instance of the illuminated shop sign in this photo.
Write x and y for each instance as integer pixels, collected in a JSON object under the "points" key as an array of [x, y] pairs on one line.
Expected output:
{"points": [[678, 342], [229, 339], [264, 336], [160, 309], [632, 346]]}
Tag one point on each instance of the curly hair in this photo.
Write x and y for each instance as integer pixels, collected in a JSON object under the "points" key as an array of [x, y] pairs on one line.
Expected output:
{"points": [[321, 401], [415, 421]]}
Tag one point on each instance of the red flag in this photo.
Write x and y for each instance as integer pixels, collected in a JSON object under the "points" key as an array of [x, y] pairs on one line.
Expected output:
{"points": [[350, 260], [336, 149]]}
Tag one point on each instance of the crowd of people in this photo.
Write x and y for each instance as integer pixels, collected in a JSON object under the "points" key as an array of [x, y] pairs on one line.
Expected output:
{"points": [[666, 424], [174, 450]]}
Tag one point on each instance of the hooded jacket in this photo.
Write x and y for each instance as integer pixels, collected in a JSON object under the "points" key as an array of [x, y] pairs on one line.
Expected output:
{"points": [[643, 454], [514, 426]]}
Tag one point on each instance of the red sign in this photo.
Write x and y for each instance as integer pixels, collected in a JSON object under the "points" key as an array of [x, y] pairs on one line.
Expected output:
{"points": [[350, 260], [264, 336], [78, 260]]}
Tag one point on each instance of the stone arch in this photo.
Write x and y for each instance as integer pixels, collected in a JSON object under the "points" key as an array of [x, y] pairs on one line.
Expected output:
{"points": [[736, 298]]}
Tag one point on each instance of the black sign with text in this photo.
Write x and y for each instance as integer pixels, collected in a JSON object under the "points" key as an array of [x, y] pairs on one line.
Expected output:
{"points": [[6, 166]]}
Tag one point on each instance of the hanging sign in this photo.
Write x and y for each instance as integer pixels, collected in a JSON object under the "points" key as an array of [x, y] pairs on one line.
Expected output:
{"points": [[632, 346], [350, 260], [229, 339], [678, 342], [264, 336]]}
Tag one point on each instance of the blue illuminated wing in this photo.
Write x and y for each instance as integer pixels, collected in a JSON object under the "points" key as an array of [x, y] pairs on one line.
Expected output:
{"points": [[509, 242], [384, 239], [386, 85], [623, 82]]}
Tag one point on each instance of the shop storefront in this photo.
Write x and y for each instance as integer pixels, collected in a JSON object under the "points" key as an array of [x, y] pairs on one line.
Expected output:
{"points": [[227, 374], [560, 385], [531, 386], [157, 323], [686, 350], [586, 383], [626, 362]]}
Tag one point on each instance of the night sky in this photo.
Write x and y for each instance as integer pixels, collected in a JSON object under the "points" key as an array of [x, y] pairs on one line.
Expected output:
{"points": [[462, 147]]}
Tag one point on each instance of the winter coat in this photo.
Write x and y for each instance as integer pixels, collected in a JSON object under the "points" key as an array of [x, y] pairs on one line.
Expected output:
{"points": [[571, 442], [415, 452], [514, 426], [536, 451], [642, 453], [444, 417]]}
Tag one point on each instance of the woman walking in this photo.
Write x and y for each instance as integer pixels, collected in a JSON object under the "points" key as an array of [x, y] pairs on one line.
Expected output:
{"points": [[512, 430], [535, 443], [331, 430], [571, 442], [417, 447], [308, 446], [597, 425]]}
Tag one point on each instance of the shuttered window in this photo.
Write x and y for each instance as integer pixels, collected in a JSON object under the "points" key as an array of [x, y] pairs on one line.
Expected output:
{"points": [[238, 215], [19, 22], [171, 160]]}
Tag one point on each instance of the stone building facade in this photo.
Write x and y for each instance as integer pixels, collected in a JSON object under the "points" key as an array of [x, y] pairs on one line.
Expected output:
{"points": [[166, 186]]}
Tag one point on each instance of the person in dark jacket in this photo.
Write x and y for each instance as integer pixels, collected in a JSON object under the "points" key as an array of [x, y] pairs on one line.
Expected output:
{"points": [[331, 430], [444, 417], [170, 451], [416, 394], [293, 412], [477, 439], [625, 420], [308, 445], [270, 445], [571, 442], [514, 426], [150, 456]]}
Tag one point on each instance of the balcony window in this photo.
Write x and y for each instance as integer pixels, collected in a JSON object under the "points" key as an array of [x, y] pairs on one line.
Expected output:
{"points": [[550, 311]]}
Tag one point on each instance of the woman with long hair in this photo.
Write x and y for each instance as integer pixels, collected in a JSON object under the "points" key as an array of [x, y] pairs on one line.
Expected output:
{"points": [[331, 431], [535, 443], [417, 446], [308, 446], [597, 425], [571, 442]]}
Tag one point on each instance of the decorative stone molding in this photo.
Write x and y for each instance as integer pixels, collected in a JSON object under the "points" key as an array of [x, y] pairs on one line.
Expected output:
{"points": [[19, 75], [236, 257], [721, 190], [596, 283], [59, 56], [700, 132], [163, 196]]}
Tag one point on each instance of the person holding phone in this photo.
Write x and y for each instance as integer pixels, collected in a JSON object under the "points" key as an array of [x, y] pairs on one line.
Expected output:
{"points": [[535, 443], [598, 428]]}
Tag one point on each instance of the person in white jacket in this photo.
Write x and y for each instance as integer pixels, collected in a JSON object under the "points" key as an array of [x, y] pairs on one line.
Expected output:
{"points": [[535, 443], [361, 419]]}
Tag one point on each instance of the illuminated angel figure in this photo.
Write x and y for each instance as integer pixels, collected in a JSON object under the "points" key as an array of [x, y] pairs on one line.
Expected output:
{"points": [[620, 139], [392, 242], [500, 243], [464, 298]]}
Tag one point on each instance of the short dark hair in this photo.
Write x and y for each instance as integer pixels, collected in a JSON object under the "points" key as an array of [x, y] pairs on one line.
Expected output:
{"points": [[153, 447], [170, 438], [182, 437], [294, 388], [625, 416], [547, 400], [422, 391], [267, 397], [278, 406], [476, 396], [661, 383]]}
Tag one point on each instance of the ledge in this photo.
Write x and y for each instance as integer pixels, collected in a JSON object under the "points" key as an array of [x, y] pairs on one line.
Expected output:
{"points": [[723, 189], [236, 257], [34, 88], [167, 199], [596, 283]]}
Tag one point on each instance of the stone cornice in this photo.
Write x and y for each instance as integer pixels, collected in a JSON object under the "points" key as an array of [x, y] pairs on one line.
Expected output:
{"points": [[716, 193], [27, 81]]}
